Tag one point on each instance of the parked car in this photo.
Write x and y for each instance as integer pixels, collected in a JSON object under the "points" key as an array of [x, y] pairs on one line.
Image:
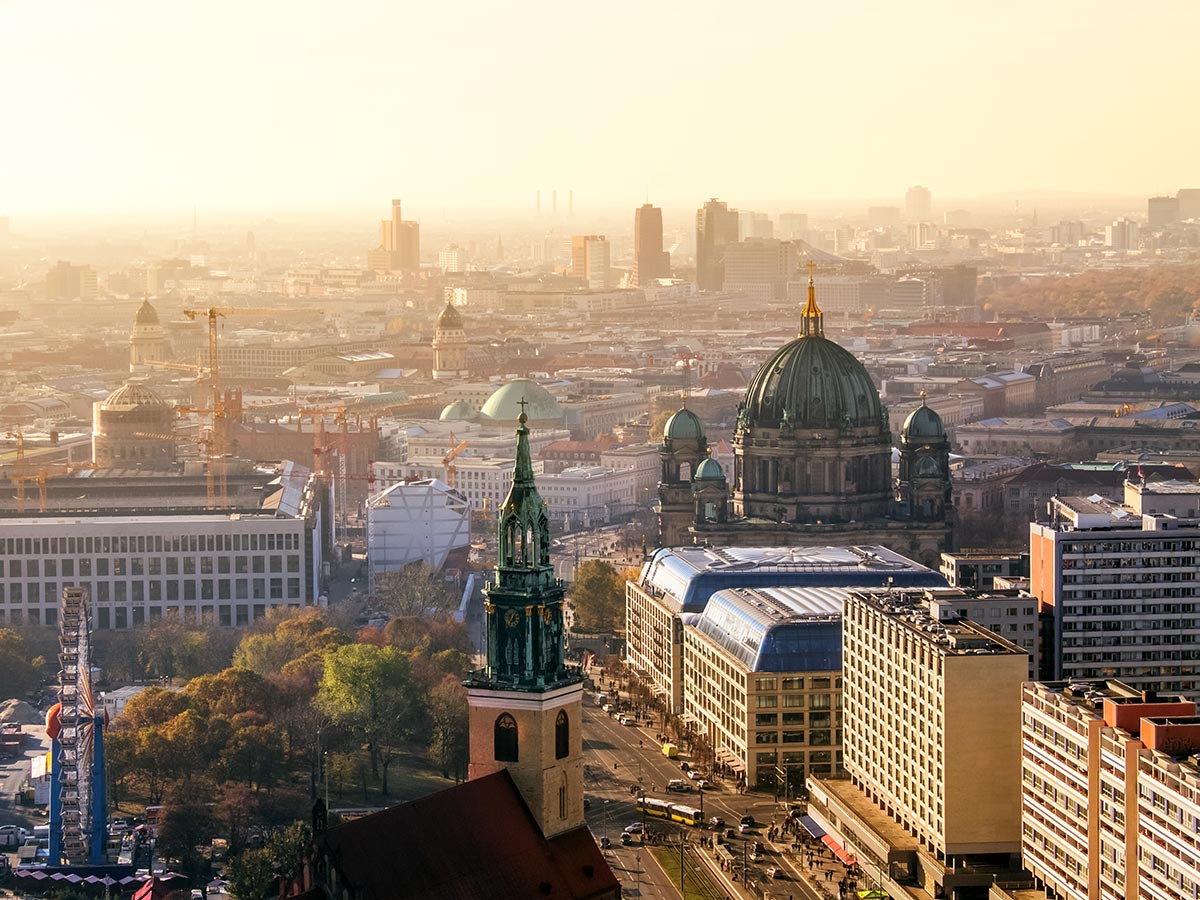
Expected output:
{"points": [[694, 774], [684, 766], [626, 838], [635, 828], [702, 785]]}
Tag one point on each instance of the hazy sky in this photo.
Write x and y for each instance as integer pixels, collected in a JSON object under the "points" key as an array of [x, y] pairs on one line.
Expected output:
{"points": [[260, 105]]}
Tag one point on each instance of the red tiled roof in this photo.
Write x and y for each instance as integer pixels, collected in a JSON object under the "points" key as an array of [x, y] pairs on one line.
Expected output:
{"points": [[476, 841]]}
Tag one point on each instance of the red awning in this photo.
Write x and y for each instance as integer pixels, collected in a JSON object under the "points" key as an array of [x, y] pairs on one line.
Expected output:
{"points": [[838, 850]]}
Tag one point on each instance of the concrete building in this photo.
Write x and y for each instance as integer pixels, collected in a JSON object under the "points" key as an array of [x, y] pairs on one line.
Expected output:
{"points": [[454, 259], [1110, 791], [1121, 235], [978, 569], [918, 204], [793, 226], [679, 581], [590, 259], [67, 282], [1119, 582], [716, 228], [1189, 203], [931, 703], [760, 267], [139, 566], [415, 521], [399, 247], [1162, 211], [133, 428]]}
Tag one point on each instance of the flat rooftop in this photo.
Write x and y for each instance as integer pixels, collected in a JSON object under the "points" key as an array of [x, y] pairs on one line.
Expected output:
{"points": [[929, 615]]}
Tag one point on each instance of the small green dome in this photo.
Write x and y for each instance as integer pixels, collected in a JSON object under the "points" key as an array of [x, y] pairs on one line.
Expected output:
{"points": [[505, 404], [710, 470], [813, 383], [458, 411], [923, 422], [683, 426]]}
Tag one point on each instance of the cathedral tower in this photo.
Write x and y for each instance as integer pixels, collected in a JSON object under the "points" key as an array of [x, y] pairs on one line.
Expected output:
{"points": [[923, 487], [449, 345], [148, 340], [526, 707]]}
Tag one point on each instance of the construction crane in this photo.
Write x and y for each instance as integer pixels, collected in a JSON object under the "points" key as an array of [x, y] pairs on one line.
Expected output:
{"points": [[456, 449], [40, 477], [206, 441]]}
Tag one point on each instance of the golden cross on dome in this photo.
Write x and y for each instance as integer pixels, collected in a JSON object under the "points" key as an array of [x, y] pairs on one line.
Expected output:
{"points": [[811, 266]]}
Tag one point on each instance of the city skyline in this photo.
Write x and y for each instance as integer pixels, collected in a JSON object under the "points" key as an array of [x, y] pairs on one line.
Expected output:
{"points": [[113, 125]]}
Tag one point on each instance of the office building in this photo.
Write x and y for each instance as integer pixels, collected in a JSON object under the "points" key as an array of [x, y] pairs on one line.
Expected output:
{"points": [[1110, 791], [754, 225], [932, 748], [67, 282], [793, 226], [1119, 583], [1162, 211], [590, 259], [1068, 232], [918, 204], [716, 228], [760, 268], [1189, 203], [454, 259], [650, 261], [1121, 235], [676, 583], [399, 247], [141, 563]]}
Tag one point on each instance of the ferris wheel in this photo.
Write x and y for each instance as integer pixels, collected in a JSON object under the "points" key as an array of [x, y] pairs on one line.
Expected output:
{"points": [[78, 807]]}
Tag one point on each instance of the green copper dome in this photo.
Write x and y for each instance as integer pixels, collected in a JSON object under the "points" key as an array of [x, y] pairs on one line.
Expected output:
{"points": [[683, 426], [812, 383], [449, 317], [709, 470], [458, 411], [505, 404], [923, 422]]}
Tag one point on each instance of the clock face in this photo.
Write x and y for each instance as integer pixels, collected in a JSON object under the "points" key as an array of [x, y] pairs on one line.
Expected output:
{"points": [[512, 618]]}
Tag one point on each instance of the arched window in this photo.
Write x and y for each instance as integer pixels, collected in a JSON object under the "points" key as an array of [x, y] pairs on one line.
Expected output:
{"points": [[562, 735], [506, 738]]}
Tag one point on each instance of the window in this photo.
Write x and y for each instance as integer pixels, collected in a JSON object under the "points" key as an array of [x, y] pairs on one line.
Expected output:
{"points": [[505, 738], [766, 701], [562, 735]]}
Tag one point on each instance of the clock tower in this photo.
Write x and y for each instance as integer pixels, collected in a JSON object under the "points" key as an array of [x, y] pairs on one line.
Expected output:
{"points": [[526, 707]]}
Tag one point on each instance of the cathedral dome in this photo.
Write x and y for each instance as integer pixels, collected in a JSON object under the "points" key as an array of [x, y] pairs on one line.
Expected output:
{"points": [[450, 318], [923, 422], [505, 404], [458, 411], [132, 396], [146, 314], [709, 470], [813, 383], [683, 426]]}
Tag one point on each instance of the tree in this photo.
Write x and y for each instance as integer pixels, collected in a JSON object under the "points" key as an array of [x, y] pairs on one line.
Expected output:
{"points": [[370, 690], [598, 596], [254, 754], [659, 424], [415, 590], [233, 691], [152, 707], [19, 672], [187, 823], [449, 714], [288, 640]]}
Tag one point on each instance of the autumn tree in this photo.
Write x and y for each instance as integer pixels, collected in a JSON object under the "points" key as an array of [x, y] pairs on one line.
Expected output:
{"points": [[598, 597], [20, 672], [415, 590], [449, 717]]}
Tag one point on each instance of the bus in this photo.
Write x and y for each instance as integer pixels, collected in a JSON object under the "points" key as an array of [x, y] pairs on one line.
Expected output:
{"points": [[688, 815], [652, 806]]}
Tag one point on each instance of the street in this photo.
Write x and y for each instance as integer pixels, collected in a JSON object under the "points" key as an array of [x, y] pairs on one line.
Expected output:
{"points": [[619, 757]]}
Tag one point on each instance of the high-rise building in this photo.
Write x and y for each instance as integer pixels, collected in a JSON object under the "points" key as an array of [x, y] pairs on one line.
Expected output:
{"points": [[760, 267], [454, 259], [1121, 235], [793, 226], [590, 259], [1068, 232], [650, 261], [1115, 579], [754, 225], [525, 705], [716, 228], [68, 282], [1110, 791], [1189, 203], [1162, 211], [932, 747], [918, 204], [399, 247]]}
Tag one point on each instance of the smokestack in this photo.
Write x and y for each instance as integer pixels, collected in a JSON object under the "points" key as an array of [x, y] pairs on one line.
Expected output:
{"points": [[570, 203], [539, 204], [554, 201]]}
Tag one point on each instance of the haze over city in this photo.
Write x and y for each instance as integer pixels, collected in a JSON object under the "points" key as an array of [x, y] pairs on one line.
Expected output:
{"points": [[269, 107]]}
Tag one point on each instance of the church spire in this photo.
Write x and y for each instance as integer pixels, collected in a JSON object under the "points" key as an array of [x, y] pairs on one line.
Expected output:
{"points": [[812, 320]]}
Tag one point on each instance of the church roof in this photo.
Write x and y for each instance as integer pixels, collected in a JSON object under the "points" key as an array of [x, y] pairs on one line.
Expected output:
{"points": [[923, 422], [475, 841], [130, 396], [709, 469], [505, 403], [684, 425], [450, 317], [458, 411], [146, 314]]}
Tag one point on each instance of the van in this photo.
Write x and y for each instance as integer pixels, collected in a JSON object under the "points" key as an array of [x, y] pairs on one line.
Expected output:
{"points": [[669, 750], [678, 784]]}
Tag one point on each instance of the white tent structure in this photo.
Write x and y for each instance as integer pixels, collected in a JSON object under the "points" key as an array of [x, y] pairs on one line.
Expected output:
{"points": [[415, 521]]}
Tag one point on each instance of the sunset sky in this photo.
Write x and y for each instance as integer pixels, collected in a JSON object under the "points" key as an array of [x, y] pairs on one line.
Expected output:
{"points": [[290, 106]]}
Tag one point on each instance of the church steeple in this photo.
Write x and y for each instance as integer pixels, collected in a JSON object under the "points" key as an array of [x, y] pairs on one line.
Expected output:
{"points": [[524, 599], [812, 320]]}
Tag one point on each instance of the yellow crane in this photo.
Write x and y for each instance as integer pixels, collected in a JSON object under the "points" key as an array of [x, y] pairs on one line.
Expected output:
{"points": [[206, 441], [456, 449], [40, 478]]}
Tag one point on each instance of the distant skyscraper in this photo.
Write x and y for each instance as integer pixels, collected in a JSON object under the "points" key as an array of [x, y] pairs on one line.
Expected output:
{"points": [[883, 216], [918, 204], [716, 226], [793, 226], [1068, 232], [1121, 235], [754, 225], [68, 282], [1162, 211], [1189, 203], [590, 259], [650, 261], [399, 247], [453, 259]]}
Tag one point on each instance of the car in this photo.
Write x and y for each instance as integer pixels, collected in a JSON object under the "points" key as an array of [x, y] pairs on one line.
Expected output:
{"points": [[587, 803], [684, 766], [607, 707], [730, 834], [678, 784], [747, 820], [743, 828], [626, 838], [772, 871], [605, 843], [627, 720], [759, 848], [702, 785], [694, 774], [716, 822], [635, 828]]}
